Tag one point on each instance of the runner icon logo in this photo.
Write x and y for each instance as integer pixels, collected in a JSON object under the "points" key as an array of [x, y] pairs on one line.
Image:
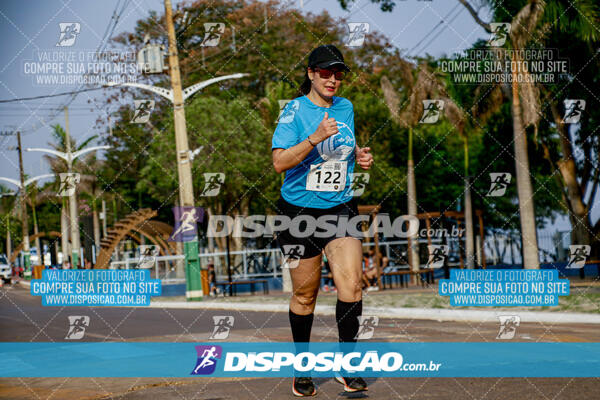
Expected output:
{"points": [[213, 182], [212, 33], [500, 182], [366, 327], [143, 108], [359, 183], [437, 255], [287, 110], [68, 183], [223, 325], [499, 34], [148, 255], [77, 325], [356, 33], [68, 33], [431, 111], [186, 218], [573, 110], [292, 254], [207, 359], [508, 326], [578, 254]]}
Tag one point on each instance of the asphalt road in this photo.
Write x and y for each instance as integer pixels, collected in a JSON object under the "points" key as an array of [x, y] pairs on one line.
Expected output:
{"points": [[23, 319]]}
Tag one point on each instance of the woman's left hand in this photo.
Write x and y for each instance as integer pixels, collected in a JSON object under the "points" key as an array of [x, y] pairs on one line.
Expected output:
{"points": [[363, 157]]}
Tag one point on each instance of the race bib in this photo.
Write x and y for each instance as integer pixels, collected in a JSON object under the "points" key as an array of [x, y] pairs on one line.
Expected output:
{"points": [[329, 176]]}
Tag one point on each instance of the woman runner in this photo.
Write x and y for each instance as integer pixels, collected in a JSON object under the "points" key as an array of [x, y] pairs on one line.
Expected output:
{"points": [[314, 144]]}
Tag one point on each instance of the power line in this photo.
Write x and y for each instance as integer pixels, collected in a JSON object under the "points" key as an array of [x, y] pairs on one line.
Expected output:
{"points": [[442, 30], [108, 32], [50, 95], [434, 28]]}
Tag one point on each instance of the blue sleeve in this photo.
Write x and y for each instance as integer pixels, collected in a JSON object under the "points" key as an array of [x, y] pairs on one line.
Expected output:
{"points": [[286, 134]]}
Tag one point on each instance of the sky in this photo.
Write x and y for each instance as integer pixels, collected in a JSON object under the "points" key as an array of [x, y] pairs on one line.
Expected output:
{"points": [[418, 27]]}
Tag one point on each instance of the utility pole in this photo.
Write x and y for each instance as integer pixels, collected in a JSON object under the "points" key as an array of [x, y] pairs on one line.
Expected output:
{"points": [[73, 217], [110, 132], [26, 255], [8, 239], [184, 170], [177, 96]]}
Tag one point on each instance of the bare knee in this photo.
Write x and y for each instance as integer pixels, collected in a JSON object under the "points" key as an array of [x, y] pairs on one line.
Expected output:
{"points": [[303, 302], [350, 292]]}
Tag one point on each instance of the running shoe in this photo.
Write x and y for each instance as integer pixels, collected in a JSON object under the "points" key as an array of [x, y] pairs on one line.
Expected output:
{"points": [[354, 384], [303, 386]]}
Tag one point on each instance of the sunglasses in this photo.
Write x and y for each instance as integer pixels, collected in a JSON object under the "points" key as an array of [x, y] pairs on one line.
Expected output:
{"points": [[326, 74]]}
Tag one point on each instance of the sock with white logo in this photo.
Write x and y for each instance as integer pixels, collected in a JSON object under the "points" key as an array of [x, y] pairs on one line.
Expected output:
{"points": [[346, 316]]}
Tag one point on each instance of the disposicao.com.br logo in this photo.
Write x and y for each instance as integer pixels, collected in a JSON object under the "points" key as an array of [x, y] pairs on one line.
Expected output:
{"points": [[217, 361]]}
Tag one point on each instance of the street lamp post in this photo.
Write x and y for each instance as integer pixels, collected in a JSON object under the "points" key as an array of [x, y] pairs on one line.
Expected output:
{"points": [[22, 184], [69, 157], [177, 97]]}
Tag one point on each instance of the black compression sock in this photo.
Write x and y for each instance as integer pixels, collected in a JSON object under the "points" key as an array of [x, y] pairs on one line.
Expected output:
{"points": [[301, 326], [346, 315]]}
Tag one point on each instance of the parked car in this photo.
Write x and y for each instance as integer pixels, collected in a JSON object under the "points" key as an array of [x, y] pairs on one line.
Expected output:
{"points": [[5, 271]]}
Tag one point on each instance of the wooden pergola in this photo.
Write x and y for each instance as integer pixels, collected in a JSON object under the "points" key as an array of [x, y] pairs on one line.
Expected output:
{"points": [[136, 225]]}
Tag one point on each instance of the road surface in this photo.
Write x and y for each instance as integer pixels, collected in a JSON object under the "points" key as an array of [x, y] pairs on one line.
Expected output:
{"points": [[23, 319]]}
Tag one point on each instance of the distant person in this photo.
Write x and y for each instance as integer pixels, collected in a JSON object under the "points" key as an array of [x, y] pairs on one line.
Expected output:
{"points": [[370, 269], [212, 279], [328, 284]]}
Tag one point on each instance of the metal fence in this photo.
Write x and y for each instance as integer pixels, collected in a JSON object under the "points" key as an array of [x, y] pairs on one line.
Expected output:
{"points": [[499, 248], [252, 263], [506, 248]]}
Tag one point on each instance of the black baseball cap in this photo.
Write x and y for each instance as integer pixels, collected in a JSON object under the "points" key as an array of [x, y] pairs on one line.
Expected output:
{"points": [[326, 56]]}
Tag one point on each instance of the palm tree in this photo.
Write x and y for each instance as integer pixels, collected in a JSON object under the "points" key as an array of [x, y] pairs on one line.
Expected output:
{"points": [[419, 83], [33, 200], [59, 165], [7, 207]]}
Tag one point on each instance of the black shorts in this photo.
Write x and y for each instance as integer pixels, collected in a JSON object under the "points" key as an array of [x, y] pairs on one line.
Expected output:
{"points": [[313, 244]]}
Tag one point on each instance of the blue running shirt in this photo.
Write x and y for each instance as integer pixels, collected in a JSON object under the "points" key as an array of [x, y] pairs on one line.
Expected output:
{"points": [[299, 119]]}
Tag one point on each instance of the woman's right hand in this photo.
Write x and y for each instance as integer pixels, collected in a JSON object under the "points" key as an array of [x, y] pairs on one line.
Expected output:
{"points": [[327, 127], [284, 159]]}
